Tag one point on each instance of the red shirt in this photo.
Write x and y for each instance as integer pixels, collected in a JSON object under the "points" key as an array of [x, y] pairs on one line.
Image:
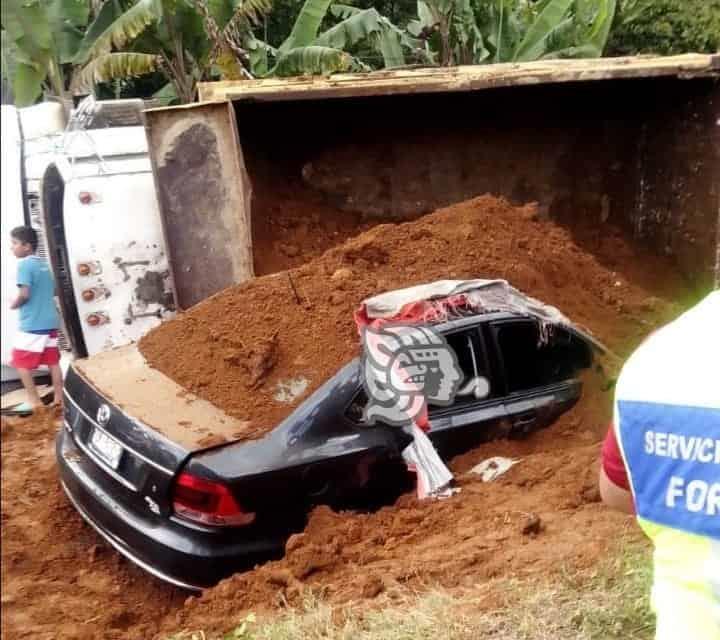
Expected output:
{"points": [[612, 462]]}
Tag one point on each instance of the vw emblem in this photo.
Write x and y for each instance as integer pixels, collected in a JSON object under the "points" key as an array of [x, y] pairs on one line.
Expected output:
{"points": [[103, 415]]}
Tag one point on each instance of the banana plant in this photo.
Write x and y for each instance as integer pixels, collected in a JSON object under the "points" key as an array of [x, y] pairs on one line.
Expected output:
{"points": [[512, 30], [39, 39], [451, 32], [169, 36], [307, 52]]}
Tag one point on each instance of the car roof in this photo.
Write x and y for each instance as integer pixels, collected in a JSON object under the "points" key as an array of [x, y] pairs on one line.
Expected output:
{"points": [[468, 321], [476, 318]]}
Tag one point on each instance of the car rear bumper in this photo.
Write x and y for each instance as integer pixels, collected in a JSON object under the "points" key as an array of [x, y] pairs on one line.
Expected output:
{"points": [[178, 554]]}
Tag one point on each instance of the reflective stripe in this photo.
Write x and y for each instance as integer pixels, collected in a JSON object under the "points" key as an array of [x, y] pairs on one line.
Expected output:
{"points": [[714, 576]]}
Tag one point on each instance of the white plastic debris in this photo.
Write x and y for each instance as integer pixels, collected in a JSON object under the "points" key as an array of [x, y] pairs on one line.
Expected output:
{"points": [[493, 468], [433, 477]]}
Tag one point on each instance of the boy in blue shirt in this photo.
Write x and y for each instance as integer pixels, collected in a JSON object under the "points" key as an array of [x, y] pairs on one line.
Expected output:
{"points": [[36, 341]]}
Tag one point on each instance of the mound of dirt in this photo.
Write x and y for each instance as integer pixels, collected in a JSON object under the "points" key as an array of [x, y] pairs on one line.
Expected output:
{"points": [[541, 517], [240, 347], [293, 224], [60, 581]]}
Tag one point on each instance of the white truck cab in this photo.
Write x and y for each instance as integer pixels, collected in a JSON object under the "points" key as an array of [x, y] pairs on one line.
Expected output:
{"points": [[104, 239], [89, 192]]}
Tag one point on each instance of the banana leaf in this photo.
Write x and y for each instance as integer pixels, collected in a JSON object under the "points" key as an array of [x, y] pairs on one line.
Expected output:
{"points": [[351, 30], [312, 60], [114, 65], [358, 25], [27, 84], [27, 26], [534, 44], [259, 53], [306, 25], [104, 18], [599, 31], [126, 27]]}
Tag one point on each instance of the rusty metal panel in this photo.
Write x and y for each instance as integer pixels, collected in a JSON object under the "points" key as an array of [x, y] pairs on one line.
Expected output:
{"points": [[204, 195]]}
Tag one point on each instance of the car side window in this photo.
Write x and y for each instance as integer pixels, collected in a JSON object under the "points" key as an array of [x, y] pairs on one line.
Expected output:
{"points": [[475, 381], [475, 378], [530, 363]]}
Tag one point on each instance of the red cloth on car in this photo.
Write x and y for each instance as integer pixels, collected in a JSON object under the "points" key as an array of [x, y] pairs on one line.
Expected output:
{"points": [[414, 312]]}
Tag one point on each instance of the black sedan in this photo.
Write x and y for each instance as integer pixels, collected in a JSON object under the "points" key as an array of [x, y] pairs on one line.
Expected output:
{"points": [[192, 515]]}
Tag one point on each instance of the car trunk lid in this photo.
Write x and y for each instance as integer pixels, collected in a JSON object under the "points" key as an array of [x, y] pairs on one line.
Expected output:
{"points": [[137, 428]]}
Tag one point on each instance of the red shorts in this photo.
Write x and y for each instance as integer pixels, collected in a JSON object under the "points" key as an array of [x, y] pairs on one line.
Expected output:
{"points": [[35, 349]]}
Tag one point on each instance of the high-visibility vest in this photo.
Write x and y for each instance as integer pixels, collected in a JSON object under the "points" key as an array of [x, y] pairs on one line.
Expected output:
{"points": [[667, 423]]}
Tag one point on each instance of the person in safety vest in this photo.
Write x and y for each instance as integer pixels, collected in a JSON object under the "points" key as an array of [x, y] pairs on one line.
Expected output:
{"points": [[661, 460]]}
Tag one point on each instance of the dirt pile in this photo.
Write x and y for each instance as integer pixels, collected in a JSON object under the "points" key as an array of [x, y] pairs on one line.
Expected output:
{"points": [[59, 580], [542, 516], [292, 224], [220, 349]]}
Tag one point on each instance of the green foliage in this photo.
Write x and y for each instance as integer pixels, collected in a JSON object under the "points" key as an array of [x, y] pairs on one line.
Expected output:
{"points": [[609, 601], [110, 66], [312, 60], [512, 30], [535, 41], [40, 36], [306, 25], [126, 26], [666, 27], [307, 52], [161, 35]]}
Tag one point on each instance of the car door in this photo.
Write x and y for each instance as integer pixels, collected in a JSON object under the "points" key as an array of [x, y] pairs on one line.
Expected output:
{"points": [[477, 413], [539, 376]]}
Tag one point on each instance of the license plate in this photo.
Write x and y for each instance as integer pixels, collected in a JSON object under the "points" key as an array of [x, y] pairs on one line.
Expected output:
{"points": [[107, 449]]}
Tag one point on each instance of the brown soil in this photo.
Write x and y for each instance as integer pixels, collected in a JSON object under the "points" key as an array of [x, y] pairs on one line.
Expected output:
{"points": [[292, 224], [542, 516], [60, 581], [236, 347]]}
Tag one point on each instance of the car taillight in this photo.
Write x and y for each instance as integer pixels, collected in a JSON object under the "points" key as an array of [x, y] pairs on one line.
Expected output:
{"points": [[208, 502]]}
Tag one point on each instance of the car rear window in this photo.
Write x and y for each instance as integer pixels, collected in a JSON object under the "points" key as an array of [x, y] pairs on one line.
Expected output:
{"points": [[530, 363]]}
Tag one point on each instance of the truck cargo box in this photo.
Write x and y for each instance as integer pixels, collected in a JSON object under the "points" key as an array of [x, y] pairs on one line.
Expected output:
{"points": [[627, 140]]}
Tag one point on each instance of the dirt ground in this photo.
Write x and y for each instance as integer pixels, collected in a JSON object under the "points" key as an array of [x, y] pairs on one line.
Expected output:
{"points": [[61, 581]]}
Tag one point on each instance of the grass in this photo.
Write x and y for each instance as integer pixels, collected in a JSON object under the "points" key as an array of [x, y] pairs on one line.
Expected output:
{"points": [[606, 604]]}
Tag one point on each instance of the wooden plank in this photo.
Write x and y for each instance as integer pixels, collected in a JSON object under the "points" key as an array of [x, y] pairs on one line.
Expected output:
{"points": [[204, 196], [464, 78]]}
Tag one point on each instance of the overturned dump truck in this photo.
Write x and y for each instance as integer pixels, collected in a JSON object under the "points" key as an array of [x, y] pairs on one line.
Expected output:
{"points": [[190, 490]]}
